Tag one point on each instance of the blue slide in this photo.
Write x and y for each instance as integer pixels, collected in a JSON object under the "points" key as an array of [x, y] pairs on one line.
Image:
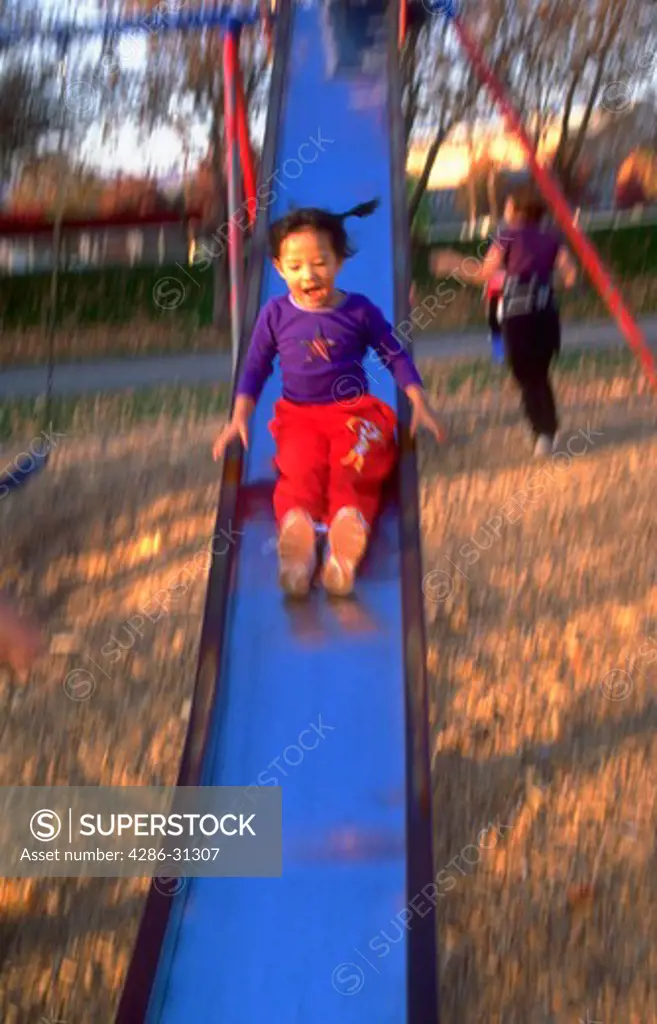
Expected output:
{"points": [[325, 699]]}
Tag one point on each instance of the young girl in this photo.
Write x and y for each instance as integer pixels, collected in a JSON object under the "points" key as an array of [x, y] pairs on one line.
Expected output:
{"points": [[334, 451], [529, 256]]}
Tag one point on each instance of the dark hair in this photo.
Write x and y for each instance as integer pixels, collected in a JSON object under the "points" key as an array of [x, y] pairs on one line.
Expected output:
{"points": [[529, 203], [318, 220]]}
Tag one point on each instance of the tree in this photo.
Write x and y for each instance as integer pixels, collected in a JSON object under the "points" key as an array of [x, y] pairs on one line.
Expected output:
{"points": [[555, 59], [184, 77], [40, 118], [568, 52], [180, 84], [629, 193], [483, 191], [638, 176], [29, 109], [448, 88], [432, 110], [45, 182], [423, 219], [574, 174]]}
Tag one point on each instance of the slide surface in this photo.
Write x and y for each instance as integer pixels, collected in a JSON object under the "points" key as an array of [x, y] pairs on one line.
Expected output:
{"points": [[312, 696]]}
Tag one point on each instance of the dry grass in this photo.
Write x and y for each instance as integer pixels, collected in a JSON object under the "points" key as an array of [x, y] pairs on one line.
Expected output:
{"points": [[547, 594], [556, 919], [23, 420], [88, 544]]}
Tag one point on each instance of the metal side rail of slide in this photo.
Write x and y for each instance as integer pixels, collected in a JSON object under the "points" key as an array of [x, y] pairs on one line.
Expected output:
{"points": [[335, 939]]}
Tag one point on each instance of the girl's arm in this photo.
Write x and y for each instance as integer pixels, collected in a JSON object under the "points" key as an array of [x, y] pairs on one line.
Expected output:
{"points": [[259, 364], [398, 361], [390, 349]]}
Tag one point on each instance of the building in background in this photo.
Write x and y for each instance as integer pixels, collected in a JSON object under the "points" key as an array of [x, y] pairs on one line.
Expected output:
{"points": [[612, 137]]}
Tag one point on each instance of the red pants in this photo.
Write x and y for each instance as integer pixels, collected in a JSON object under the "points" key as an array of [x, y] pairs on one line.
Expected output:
{"points": [[330, 456]]}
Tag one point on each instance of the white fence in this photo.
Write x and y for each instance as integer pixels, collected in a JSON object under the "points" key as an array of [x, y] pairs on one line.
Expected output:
{"points": [[92, 248]]}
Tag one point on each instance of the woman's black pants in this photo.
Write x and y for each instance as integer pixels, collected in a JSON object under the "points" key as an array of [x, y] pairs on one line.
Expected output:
{"points": [[532, 341]]}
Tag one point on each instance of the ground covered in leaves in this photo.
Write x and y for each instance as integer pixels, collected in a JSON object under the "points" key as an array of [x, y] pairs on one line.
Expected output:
{"points": [[541, 595], [541, 601]]}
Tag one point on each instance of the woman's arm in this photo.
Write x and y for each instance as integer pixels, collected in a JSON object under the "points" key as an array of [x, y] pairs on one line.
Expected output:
{"points": [[445, 262], [566, 267]]}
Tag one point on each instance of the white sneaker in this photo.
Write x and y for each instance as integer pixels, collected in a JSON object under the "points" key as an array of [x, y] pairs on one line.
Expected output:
{"points": [[297, 553], [544, 445], [347, 543]]}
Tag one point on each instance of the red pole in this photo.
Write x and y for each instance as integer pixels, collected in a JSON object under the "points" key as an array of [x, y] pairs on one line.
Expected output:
{"points": [[554, 196], [403, 21], [235, 251], [246, 152]]}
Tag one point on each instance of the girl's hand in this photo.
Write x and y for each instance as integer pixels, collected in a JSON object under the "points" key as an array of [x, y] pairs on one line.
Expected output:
{"points": [[237, 427], [423, 415]]}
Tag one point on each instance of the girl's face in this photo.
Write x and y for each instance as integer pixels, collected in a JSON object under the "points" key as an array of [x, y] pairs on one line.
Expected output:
{"points": [[309, 266]]}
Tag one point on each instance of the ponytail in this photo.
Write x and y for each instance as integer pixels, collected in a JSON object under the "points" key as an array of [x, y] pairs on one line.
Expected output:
{"points": [[362, 210], [319, 220]]}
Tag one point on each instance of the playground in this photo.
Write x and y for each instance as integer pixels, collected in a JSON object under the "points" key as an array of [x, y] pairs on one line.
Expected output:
{"points": [[529, 727], [533, 740]]}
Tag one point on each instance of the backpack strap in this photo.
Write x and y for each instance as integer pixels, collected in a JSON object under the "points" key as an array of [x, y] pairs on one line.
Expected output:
{"points": [[507, 252]]}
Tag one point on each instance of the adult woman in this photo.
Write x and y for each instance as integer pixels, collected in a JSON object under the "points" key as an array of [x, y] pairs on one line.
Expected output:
{"points": [[529, 254]]}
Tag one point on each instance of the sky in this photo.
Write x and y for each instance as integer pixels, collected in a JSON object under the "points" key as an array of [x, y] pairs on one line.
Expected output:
{"points": [[162, 153]]}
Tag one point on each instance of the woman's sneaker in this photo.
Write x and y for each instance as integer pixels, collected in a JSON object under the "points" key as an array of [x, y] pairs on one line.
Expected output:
{"points": [[347, 543], [297, 553]]}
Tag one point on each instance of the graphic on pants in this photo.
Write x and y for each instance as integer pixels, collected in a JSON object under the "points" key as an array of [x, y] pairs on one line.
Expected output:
{"points": [[366, 432], [319, 346]]}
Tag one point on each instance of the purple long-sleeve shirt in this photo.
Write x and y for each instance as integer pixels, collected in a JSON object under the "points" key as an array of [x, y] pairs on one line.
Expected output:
{"points": [[529, 250], [321, 352]]}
